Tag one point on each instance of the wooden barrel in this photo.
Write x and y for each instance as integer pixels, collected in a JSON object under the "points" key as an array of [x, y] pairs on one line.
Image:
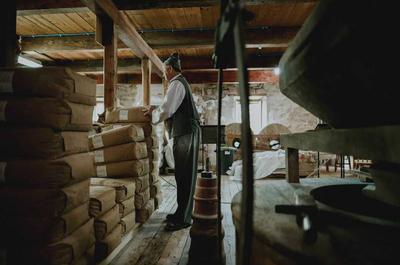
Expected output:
{"points": [[204, 230], [205, 227], [205, 197]]}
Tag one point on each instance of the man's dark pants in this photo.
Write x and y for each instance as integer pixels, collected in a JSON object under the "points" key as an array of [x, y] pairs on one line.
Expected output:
{"points": [[186, 149]]}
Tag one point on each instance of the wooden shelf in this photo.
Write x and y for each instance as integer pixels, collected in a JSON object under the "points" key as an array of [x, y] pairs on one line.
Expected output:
{"points": [[374, 143]]}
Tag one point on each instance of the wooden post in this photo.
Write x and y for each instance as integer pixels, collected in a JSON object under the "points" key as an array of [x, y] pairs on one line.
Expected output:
{"points": [[107, 36], [165, 85], [292, 165], [146, 80], [8, 43]]}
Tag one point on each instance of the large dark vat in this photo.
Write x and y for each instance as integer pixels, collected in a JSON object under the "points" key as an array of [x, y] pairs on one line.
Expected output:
{"points": [[348, 226], [341, 65]]}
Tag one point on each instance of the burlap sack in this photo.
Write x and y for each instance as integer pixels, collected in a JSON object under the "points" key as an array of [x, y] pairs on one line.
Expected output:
{"points": [[142, 215], [158, 200], [48, 82], [130, 115], [127, 206], [142, 198], [121, 135], [142, 183], [47, 112], [39, 231], [66, 251], [43, 202], [104, 224], [124, 188], [102, 199], [155, 171], [152, 142], [133, 168], [148, 128], [128, 222], [108, 244], [36, 143], [70, 248], [90, 255], [122, 152], [154, 154], [154, 166], [47, 173], [155, 189], [154, 178]]}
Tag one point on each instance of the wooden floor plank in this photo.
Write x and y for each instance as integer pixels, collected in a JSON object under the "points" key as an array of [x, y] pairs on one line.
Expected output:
{"points": [[174, 249], [185, 256], [154, 246], [229, 239], [135, 249]]}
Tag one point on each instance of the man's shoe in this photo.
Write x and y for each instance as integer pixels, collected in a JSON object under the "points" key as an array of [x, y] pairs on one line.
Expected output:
{"points": [[176, 226], [170, 218]]}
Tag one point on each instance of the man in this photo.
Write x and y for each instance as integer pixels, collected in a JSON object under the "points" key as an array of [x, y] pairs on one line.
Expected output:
{"points": [[180, 113]]}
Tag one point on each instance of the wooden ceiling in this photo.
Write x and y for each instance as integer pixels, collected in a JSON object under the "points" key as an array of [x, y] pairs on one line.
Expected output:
{"points": [[63, 31], [287, 14]]}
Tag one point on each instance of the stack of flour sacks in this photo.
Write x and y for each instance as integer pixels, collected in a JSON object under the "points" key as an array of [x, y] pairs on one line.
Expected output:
{"points": [[121, 186], [149, 191], [45, 166]]}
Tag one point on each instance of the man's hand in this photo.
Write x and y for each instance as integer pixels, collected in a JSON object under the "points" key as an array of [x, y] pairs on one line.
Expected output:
{"points": [[148, 110]]}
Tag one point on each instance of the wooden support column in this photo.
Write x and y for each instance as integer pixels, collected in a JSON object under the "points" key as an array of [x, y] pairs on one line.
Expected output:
{"points": [[106, 35], [146, 80], [292, 165], [8, 42], [165, 85]]}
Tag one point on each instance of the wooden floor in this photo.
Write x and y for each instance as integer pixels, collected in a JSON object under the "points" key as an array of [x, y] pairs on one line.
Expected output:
{"points": [[153, 245]]}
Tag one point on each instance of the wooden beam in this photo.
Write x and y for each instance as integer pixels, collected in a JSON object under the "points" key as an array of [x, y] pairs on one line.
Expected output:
{"points": [[270, 37], [127, 65], [8, 42], [133, 65], [202, 77], [292, 165], [47, 5], [106, 34], [146, 80], [52, 11], [127, 32]]}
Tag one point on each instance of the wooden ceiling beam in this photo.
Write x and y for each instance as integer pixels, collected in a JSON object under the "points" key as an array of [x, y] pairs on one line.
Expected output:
{"points": [[203, 77], [127, 32], [133, 65], [28, 7], [264, 38]]}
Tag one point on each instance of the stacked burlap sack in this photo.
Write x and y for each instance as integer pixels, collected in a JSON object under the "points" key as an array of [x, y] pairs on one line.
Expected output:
{"points": [[144, 203], [122, 168], [45, 168]]}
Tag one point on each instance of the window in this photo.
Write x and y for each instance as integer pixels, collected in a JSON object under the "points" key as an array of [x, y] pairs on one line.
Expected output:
{"points": [[99, 108], [258, 112]]}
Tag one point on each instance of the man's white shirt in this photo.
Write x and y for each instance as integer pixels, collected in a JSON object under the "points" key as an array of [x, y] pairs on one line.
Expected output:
{"points": [[175, 95]]}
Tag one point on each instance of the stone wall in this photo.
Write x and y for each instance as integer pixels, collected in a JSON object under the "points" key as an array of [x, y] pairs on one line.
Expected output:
{"points": [[284, 111], [280, 109]]}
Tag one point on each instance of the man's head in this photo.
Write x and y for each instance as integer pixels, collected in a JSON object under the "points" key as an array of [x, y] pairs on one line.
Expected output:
{"points": [[172, 66]]}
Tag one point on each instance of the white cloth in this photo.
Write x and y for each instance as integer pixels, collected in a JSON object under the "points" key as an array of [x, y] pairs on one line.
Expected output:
{"points": [[175, 95], [264, 163], [169, 153]]}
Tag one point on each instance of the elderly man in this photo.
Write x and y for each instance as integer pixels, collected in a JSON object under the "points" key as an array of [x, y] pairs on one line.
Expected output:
{"points": [[180, 113]]}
